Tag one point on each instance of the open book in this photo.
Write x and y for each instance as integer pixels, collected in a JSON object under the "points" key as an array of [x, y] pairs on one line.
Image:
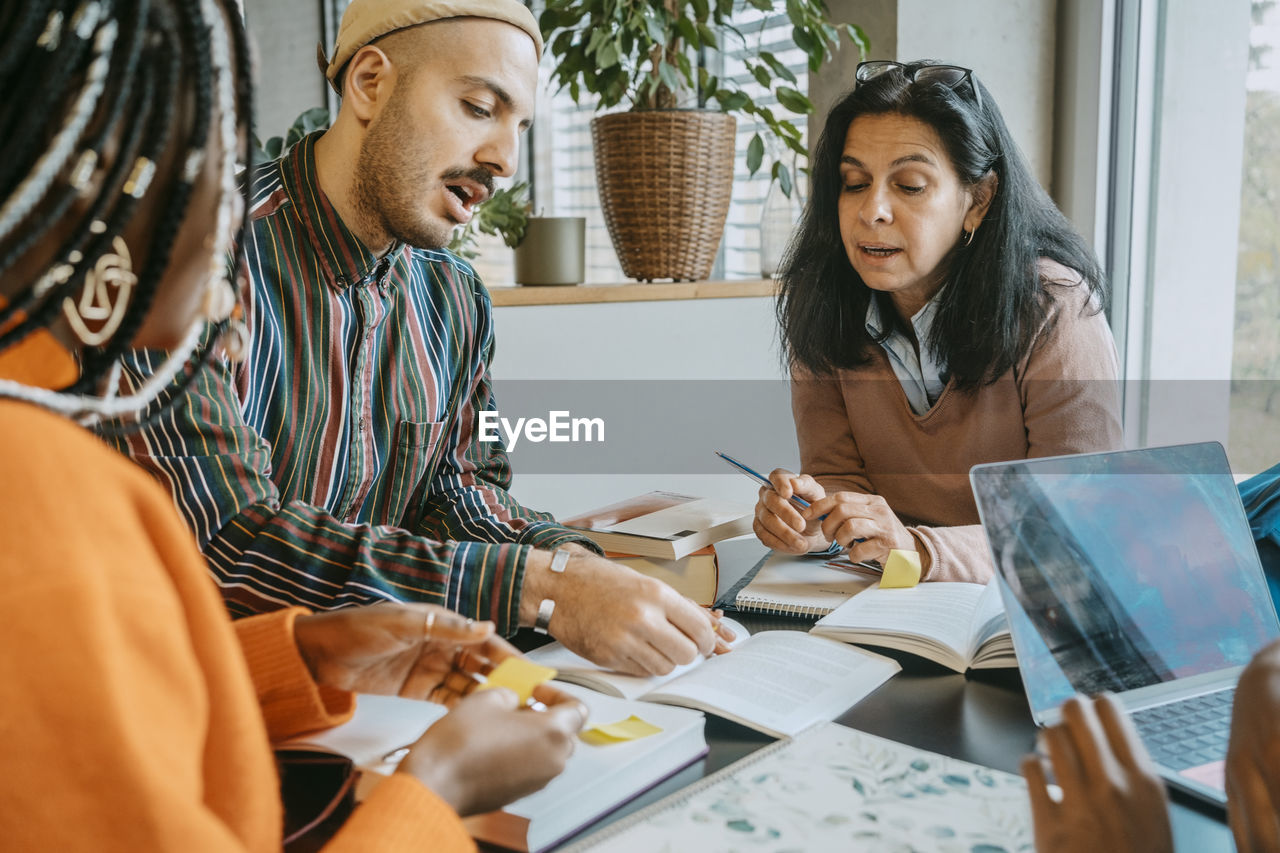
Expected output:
{"points": [[597, 779], [833, 788], [959, 625], [665, 525], [777, 682]]}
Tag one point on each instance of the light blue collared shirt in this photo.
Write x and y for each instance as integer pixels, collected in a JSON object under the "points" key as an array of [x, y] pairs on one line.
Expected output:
{"points": [[921, 375]]}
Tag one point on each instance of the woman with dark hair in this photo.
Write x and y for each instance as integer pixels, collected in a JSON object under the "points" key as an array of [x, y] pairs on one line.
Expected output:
{"points": [[938, 311], [135, 715]]}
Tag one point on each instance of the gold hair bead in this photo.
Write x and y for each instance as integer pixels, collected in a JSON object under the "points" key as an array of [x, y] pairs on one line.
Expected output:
{"points": [[97, 226], [83, 171], [52, 35], [140, 178]]}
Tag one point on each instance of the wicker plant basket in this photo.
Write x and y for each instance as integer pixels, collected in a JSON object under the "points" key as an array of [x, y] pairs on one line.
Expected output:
{"points": [[665, 177]]}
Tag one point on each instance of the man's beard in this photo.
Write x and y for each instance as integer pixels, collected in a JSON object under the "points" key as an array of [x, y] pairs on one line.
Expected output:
{"points": [[388, 172]]}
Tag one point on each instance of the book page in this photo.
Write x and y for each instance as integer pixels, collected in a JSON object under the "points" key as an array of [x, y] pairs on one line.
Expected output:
{"points": [[988, 619], [683, 520], [938, 613], [780, 682], [578, 670]]}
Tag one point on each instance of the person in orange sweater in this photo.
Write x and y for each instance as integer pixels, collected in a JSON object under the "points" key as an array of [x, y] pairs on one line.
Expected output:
{"points": [[134, 715], [938, 312]]}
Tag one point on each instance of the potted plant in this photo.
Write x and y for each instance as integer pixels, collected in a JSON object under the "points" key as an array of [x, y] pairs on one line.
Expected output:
{"points": [[665, 173], [548, 249], [504, 214]]}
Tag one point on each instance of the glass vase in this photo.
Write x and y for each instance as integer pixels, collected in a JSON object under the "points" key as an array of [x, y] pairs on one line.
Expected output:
{"points": [[778, 220]]}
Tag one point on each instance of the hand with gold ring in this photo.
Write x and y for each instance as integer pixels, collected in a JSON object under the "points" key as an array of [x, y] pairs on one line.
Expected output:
{"points": [[420, 651]]}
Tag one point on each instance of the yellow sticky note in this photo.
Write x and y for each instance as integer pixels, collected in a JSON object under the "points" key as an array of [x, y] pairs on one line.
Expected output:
{"points": [[632, 728], [901, 570], [519, 675]]}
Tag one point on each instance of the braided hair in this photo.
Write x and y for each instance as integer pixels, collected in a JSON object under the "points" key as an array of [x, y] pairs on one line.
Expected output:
{"points": [[110, 74]]}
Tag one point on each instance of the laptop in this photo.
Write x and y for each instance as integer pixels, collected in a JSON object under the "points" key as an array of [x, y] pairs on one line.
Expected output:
{"points": [[1132, 572]]}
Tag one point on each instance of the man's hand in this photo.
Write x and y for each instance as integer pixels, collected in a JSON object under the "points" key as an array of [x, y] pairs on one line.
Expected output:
{"points": [[416, 650], [1253, 756], [618, 618], [487, 752], [779, 523], [1112, 798]]}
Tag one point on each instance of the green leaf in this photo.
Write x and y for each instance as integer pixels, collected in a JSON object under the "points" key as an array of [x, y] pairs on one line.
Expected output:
{"points": [[794, 100], [667, 73], [687, 31], [685, 67], [755, 154], [707, 36], [700, 10], [732, 101], [858, 37], [778, 68], [762, 75], [547, 22], [654, 28], [762, 5], [784, 180], [607, 56], [804, 41]]}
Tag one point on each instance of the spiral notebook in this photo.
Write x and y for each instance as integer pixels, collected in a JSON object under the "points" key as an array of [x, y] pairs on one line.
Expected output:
{"points": [[834, 788], [804, 586]]}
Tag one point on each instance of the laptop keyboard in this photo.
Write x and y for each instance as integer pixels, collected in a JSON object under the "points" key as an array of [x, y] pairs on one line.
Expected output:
{"points": [[1189, 732]]}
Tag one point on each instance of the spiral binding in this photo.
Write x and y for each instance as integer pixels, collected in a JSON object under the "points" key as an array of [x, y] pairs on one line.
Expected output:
{"points": [[773, 607]]}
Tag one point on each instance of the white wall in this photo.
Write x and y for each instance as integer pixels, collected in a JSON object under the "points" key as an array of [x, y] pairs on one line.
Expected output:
{"points": [[652, 348], [285, 34]]}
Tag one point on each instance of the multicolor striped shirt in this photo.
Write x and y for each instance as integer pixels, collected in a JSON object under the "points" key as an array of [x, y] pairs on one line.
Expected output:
{"points": [[339, 464]]}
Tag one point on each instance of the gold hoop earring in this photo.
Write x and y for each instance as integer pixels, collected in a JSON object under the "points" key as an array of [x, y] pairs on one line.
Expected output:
{"points": [[97, 303]]}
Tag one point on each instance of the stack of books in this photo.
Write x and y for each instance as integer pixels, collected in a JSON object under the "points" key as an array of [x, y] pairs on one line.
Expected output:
{"points": [[669, 537]]}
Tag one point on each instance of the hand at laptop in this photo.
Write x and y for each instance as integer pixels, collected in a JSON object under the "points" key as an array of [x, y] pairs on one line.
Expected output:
{"points": [[1253, 755], [1111, 796]]}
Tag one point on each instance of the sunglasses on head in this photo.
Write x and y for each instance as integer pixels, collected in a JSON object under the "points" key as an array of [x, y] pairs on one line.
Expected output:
{"points": [[948, 75]]}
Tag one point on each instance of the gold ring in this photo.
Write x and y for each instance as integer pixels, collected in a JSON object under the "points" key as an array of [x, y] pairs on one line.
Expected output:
{"points": [[428, 626]]}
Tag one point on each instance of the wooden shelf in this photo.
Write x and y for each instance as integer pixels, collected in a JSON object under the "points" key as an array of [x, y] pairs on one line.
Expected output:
{"points": [[630, 292]]}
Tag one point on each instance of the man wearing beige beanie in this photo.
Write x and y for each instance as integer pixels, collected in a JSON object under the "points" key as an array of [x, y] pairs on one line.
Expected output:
{"points": [[339, 462]]}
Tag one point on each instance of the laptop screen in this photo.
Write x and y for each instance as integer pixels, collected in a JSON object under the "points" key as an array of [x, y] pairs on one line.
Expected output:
{"points": [[1123, 570]]}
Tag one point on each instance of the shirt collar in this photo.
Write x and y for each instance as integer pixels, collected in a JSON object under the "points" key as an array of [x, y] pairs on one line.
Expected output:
{"points": [[921, 321], [343, 258]]}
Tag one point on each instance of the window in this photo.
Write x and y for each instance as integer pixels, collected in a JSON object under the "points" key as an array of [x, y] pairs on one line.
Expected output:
{"points": [[1255, 356], [562, 166], [1195, 219]]}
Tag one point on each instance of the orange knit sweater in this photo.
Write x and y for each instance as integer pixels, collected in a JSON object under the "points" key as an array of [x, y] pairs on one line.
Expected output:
{"points": [[128, 715], [857, 431]]}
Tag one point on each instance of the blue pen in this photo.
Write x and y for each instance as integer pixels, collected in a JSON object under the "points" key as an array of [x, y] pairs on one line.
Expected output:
{"points": [[760, 478], [764, 481]]}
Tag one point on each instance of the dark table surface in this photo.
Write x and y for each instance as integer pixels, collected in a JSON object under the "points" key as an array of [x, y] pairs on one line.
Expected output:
{"points": [[982, 718]]}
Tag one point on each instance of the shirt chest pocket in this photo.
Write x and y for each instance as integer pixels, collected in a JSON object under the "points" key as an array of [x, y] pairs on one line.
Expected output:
{"points": [[416, 446]]}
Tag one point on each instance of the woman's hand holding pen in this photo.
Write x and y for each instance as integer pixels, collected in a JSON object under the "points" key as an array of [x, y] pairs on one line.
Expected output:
{"points": [[782, 523], [864, 525]]}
